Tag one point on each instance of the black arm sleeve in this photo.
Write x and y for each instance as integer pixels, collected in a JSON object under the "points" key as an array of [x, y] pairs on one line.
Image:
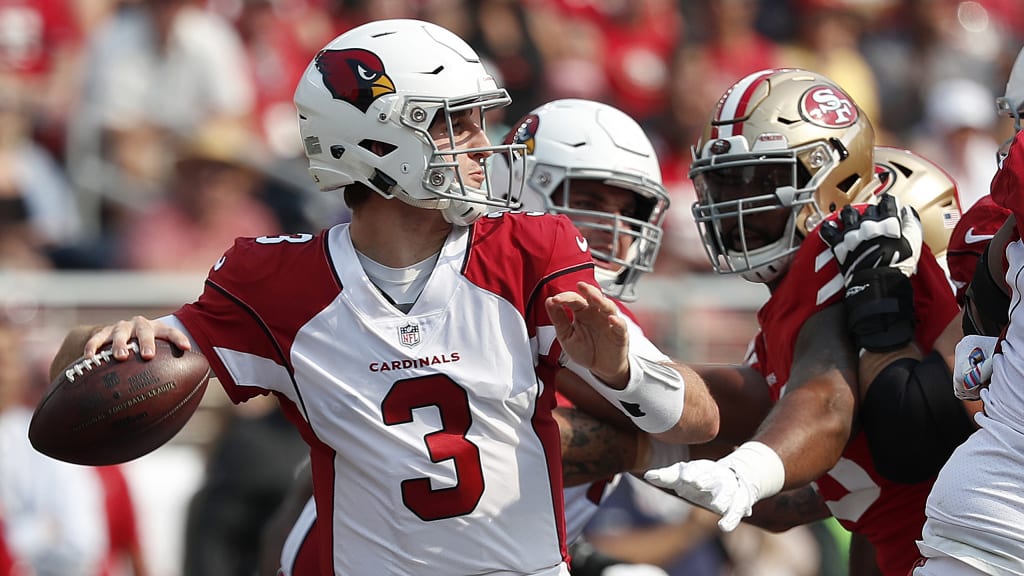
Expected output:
{"points": [[986, 306], [912, 420]]}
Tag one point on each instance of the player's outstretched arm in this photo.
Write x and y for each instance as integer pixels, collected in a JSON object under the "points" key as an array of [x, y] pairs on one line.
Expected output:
{"points": [[802, 437], [652, 393]]}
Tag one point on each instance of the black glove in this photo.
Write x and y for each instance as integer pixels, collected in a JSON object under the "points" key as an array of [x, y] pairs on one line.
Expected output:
{"points": [[877, 252], [884, 236]]}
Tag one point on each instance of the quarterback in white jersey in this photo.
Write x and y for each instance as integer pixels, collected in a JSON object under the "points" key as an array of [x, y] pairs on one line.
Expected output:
{"points": [[606, 178], [413, 347], [976, 509]]}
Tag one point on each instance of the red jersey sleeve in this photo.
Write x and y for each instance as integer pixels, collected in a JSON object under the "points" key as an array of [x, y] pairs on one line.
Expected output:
{"points": [[1009, 180], [256, 298], [528, 257]]}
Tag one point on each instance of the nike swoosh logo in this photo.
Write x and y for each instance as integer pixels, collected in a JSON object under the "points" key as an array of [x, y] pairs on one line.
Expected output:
{"points": [[971, 238], [219, 263], [582, 244]]}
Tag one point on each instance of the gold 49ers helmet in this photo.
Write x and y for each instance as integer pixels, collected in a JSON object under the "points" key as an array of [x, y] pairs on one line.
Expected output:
{"points": [[919, 182], [782, 149]]}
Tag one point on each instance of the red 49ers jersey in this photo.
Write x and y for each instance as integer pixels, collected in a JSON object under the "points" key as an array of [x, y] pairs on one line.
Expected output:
{"points": [[431, 439], [890, 515]]}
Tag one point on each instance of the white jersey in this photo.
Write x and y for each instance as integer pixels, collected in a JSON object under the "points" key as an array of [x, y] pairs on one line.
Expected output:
{"points": [[976, 507], [581, 502], [432, 444]]}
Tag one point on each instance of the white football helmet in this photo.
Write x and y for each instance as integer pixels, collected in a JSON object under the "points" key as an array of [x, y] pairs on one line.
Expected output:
{"points": [[572, 140], [1012, 102], [778, 141], [366, 102]]}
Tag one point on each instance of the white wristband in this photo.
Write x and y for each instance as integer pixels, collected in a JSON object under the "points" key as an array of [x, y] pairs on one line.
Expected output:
{"points": [[653, 397], [760, 467]]}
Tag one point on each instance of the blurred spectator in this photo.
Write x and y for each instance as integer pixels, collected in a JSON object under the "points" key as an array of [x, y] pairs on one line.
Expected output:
{"points": [[39, 47], [828, 42], [53, 515], [727, 48], [125, 554], [248, 475], [503, 37], [573, 51], [642, 525], [155, 71], [959, 135], [640, 38], [916, 43], [211, 200], [37, 204], [276, 62]]}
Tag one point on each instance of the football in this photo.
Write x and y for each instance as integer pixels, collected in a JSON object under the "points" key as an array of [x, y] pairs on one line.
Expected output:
{"points": [[102, 411]]}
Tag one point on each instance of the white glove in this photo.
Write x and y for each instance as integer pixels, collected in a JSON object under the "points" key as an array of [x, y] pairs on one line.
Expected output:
{"points": [[973, 367], [884, 235], [728, 487]]}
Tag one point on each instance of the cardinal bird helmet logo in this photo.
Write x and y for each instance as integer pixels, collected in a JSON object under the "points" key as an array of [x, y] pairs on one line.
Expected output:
{"points": [[354, 75], [525, 133]]}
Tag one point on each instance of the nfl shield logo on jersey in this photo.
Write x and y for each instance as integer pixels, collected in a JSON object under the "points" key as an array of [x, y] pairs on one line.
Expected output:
{"points": [[409, 335]]}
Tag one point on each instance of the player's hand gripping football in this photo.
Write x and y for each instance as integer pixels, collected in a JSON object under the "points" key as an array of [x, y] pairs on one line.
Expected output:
{"points": [[591, 332], [143, 329], [973, 368], [885, 235]]}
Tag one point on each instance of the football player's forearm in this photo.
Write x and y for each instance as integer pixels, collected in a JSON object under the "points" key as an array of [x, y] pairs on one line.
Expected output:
{"points": [[700, 418], [788, 509], [811, 423], [809, 428], [593, 450]]}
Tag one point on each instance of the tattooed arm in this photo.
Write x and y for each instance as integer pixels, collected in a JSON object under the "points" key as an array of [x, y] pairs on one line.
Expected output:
{"points": [[788, 509], [593, 449]]}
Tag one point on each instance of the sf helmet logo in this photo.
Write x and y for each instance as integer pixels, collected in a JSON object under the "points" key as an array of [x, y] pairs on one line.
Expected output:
{"points": [[524, 132], [355, 76], [828, 107]]}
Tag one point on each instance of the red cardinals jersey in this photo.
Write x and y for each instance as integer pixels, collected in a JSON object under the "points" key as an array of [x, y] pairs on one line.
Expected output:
{"points": [[969, 239], [890, 515], [431, 438]]}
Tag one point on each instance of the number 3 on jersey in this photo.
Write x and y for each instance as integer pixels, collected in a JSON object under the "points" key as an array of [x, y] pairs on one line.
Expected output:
{"points": [[289, 238], [448, 443]]}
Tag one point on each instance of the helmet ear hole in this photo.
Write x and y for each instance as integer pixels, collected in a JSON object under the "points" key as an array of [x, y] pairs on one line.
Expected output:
{"points": [[848, 183], [377, 147]]}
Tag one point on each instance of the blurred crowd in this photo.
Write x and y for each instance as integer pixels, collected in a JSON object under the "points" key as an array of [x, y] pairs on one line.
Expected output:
{"points": [[147, 134]]}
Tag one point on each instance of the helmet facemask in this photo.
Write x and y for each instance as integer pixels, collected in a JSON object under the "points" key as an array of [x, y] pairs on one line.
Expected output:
{"points": [[462, 202], [813, 147], [594, 164], [624, 242], [737, 192]]}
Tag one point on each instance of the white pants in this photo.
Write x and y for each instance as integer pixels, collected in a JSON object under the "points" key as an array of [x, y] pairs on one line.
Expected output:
{"points": [[946, 566]]}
